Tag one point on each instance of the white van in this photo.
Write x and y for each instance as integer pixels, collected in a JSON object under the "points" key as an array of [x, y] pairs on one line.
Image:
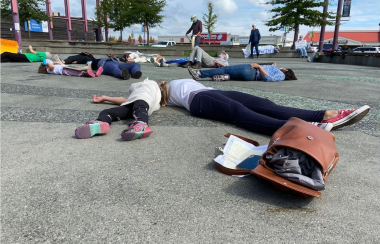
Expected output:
{"points": [[164, 44]]}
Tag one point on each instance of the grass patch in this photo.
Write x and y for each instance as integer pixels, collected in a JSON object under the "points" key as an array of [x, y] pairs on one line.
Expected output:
{"points": [[186, 53]]}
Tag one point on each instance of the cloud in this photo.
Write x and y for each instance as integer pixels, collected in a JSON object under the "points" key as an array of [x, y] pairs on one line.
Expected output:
{"points": [[226, 6], [257, 2]]}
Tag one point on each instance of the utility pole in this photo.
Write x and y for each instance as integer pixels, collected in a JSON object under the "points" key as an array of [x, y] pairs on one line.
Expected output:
{"points": [[322, 34], [337, 23], [16, 23]]}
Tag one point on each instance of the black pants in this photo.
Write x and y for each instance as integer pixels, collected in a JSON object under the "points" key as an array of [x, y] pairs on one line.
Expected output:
{"points": [[247, 111], [80, 59], [138, 108], [13, 57]]}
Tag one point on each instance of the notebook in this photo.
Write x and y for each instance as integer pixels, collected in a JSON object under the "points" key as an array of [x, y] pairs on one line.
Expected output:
{"points": [[236, 151]]}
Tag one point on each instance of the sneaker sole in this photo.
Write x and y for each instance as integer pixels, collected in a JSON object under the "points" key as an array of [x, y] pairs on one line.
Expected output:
{"points": [[192, 75], [125, 74], [135, 135], [221, 78], [136, 75], [352, 118], [88, 131]]}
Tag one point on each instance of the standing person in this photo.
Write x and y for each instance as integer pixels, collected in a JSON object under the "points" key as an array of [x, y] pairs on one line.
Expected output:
{"points": [[196, 27], [205, 60], [25, 57], [254, 39], [144, 98]]}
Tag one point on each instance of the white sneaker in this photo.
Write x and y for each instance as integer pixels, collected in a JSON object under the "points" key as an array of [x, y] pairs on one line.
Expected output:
{"points": [[57, 59], [323, 126]]}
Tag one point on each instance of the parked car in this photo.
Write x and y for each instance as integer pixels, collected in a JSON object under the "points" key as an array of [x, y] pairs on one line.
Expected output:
{"points": [[164, 44], [327, 47], [367, 50], [144, 44]]}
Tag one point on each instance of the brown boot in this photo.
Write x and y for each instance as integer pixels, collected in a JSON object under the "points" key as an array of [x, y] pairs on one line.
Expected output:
{"points": [[188, 64], [198, 65]]}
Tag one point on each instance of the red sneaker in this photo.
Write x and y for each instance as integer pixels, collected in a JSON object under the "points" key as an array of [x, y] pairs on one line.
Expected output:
{"points": [[99, 72], [348, 117]]}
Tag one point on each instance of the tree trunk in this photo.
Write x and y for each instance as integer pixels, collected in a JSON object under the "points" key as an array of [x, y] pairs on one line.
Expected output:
{"points": [[121, 35], [295, 36], [147, 35]]}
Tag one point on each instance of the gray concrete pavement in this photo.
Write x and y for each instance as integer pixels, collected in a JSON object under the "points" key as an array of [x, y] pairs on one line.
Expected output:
{"points": [[165, 189]]}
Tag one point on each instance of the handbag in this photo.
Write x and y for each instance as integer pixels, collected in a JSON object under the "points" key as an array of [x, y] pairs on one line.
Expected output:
{"points": [[300, 135]]}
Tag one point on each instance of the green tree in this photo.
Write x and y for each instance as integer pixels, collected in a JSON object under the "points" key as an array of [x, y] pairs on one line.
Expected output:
{"points": [[27, 10], [140, 39], [151, 39], [112, 38], [130, 40], [118, 13], [210, 19], [294, 13], [148, 12]]}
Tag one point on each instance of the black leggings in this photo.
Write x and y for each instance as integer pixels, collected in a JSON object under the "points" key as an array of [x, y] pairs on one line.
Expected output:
{"points": [[138, 108], [80, 59], [13, 57], [247, 111]]}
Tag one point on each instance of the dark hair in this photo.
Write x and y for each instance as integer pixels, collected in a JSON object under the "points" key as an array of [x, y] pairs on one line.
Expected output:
{"points": [[289, 75], [42, 69]]}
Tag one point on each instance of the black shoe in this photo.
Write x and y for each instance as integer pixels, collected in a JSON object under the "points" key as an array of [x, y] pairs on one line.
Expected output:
{"points": [[198, 65], [136, 75], [125, 74], [187, 65]]}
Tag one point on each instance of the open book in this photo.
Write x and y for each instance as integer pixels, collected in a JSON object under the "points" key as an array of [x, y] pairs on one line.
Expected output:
{"points": [[236, 150]]}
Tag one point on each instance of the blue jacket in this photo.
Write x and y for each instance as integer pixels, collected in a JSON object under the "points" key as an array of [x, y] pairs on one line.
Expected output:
{"points": [[255, 36]]}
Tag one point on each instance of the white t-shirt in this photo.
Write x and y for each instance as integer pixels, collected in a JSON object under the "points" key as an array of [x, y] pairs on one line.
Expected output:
{"points": [[179, 92], [57, 69], [148, 91]]}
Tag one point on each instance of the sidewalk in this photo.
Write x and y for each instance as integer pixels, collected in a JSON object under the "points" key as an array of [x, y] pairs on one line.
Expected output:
{"points": [[164, 189]]}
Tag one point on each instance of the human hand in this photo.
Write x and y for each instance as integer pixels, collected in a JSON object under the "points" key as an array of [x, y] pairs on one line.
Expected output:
{"points": [[96, 99], [274, 63], [255, 65], [283, 69], [30, 47]]}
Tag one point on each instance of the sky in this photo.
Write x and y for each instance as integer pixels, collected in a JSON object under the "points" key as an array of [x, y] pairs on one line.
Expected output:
{"points": [[234, 16]]}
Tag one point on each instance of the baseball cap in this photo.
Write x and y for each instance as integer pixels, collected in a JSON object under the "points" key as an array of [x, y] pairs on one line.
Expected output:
{"points": [[225, 54], [192, 17]]}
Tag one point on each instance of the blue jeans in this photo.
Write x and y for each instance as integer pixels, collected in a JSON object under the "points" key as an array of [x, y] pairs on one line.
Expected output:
{"points": [[237, 72], [115, 68], [256, 44], [247, 111], [302, 51], [197, 41]]}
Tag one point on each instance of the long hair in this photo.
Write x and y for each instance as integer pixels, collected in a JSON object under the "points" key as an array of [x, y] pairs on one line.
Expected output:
{"points": [[42, 69], [164, 88], [289, 75]]}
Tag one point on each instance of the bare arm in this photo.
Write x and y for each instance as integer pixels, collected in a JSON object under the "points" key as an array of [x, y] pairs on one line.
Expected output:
{"points": [[257, 66], [115, 100], [50, 66], [31, 49], [220, 64]]}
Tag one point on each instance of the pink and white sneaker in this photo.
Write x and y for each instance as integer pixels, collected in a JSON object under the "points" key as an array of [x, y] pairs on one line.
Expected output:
{"points": [[92, 128], [99, 72], [136, 130], [348, 117]]}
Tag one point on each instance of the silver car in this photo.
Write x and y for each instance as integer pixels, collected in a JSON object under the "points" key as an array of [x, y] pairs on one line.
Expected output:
{"points": [[367, 50]]}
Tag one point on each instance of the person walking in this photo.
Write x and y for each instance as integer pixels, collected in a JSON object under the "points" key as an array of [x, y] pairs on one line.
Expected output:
{"points": [[196, 27], [254, 39]]}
